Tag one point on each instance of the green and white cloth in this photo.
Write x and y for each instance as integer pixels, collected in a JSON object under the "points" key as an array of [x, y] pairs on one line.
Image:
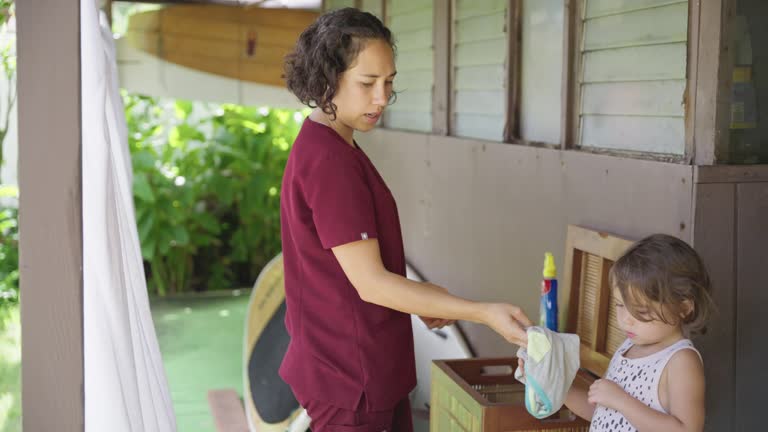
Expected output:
{"points": [[551, 362]]}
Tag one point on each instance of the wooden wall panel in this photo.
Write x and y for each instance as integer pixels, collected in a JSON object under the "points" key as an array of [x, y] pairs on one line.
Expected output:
{"points": [[751, 302], [714, 240], [478, 216]]}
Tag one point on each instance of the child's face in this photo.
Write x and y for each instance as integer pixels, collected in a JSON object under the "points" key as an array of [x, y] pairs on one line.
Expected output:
{"points": [[364, 89], [641, 332]]}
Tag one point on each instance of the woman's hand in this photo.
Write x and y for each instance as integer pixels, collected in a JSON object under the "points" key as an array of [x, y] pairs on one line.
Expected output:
{"points": [[509, 321]]}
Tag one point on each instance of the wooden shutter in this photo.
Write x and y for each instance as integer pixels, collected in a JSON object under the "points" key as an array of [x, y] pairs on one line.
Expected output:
{"points": [[590, 310]]}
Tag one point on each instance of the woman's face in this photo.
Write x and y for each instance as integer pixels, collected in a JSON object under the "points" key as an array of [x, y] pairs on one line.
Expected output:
{"points": [[365, 87]]}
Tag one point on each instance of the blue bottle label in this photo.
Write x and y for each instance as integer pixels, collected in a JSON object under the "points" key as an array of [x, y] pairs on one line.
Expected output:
{"points": [[548, 317]]}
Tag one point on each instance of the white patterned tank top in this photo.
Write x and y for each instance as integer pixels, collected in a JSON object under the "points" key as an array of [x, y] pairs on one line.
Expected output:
{"points": [[640, 378]]}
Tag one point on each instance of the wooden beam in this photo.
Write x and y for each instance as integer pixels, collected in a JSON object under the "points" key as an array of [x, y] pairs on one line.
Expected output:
{"points": [[441, 41], [514, 56], [731, 174], [713, 82], [50, 214]]}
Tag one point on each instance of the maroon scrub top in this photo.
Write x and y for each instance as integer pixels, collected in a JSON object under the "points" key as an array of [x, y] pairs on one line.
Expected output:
{"points": [[341, 346]]}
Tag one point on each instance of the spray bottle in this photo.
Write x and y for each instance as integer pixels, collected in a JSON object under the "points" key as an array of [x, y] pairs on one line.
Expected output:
{"points": [[548, 311]]}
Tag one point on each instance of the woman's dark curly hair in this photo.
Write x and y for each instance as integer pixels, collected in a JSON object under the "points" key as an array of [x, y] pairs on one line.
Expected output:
{"points": [[325, 50]]}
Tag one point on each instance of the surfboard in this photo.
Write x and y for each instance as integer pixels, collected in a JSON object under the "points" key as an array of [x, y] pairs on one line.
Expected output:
{"points": [[269, 403], [242, 42]]}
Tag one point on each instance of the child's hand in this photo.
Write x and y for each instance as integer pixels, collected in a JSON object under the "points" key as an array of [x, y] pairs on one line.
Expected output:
{"points": [[606, 393]]}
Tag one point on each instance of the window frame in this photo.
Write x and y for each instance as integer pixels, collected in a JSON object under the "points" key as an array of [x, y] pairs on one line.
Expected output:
{"points": [[707, 81]]}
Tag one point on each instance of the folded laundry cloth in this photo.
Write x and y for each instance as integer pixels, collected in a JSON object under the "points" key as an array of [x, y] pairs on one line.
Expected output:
{"points": [[551, 362]]}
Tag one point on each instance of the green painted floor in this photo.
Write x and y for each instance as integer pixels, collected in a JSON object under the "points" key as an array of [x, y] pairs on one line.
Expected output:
{"points": [[201, 341], [10, 370]]}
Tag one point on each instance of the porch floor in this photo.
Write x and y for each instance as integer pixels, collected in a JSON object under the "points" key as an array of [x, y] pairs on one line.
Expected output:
{"points": [[201, 339]]}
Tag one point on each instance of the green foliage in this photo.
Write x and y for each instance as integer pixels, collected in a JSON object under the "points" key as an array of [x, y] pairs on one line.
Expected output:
{"points": [[9, 255], [206, 189], [6, 10]]}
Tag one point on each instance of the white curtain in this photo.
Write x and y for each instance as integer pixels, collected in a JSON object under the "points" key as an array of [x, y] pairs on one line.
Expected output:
{"points": [[125, 385]]}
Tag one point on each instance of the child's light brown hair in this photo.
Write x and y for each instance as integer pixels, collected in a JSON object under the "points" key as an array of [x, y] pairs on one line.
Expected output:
{"points": [[663, 275]]}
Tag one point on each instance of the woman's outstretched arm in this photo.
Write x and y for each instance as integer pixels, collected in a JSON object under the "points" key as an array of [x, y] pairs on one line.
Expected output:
{"points": [[361, 263]]}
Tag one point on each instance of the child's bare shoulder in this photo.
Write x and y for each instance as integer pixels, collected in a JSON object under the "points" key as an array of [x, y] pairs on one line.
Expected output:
{"points": [[684, 364]]}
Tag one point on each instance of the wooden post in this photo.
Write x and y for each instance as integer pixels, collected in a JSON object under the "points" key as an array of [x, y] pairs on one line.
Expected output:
{"points": [[713, 81], [694, 10], [441, 68], [571, 90], [514, 33], [108, 11], [50, 213]]}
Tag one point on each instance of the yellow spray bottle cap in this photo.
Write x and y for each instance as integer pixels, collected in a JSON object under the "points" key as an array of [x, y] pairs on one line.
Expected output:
{"points": [[550, 271]]}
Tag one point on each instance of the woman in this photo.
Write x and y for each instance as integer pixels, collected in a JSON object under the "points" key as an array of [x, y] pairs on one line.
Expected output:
{"points": [[350, 361]]}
